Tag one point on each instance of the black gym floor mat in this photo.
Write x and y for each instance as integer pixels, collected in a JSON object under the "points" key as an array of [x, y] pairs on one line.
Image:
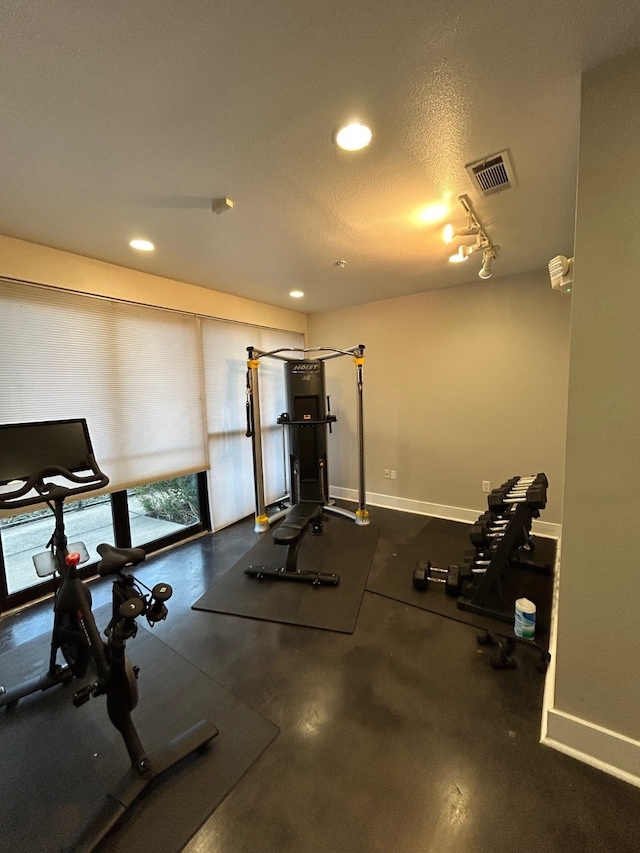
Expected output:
{"points": [[343, 548], [444, 542], [59, 762]]}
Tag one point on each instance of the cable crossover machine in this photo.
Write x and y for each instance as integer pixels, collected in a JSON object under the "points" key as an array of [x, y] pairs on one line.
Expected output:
{"points": [[306, 420]]}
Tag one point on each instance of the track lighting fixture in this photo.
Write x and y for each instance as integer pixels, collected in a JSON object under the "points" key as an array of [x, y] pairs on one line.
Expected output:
{"points": [[487, 258], [473, 228], [450, 233], [463, 254]]}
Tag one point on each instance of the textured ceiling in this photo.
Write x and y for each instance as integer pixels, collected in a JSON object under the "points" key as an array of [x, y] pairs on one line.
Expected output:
{"points": [[123, 119]]}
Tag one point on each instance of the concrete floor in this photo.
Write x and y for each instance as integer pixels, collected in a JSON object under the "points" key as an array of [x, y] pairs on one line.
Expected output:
{"points": [[398, 737]]}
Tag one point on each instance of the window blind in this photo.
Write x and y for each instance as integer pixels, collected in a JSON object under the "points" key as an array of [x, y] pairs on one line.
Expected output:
{"points": [[133, 372], [231, 484]]}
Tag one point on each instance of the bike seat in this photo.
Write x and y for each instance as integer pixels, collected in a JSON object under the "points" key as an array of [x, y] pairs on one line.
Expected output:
{"points": [[115, 559]]}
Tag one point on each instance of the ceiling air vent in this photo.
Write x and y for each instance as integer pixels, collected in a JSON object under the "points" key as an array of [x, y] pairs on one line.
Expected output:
{"points": [[492, 174]]}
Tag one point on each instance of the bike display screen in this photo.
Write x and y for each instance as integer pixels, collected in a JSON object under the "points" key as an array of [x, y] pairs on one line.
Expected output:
{"points": [[26, 449]]}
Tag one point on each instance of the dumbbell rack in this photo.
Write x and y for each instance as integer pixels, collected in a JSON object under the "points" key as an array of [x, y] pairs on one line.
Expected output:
{"points": [[485, 594]]}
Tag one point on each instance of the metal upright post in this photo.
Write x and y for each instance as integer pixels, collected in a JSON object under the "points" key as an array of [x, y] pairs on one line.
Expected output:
{"points": [[362, 513], [261, 522]]}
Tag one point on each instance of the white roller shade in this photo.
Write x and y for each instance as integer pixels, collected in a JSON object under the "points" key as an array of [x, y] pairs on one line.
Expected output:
{"points": [[133, 372], [231, 483]]}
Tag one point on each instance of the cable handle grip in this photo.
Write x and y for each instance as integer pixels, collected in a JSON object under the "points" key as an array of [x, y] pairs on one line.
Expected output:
{"points": [[249, 407]]}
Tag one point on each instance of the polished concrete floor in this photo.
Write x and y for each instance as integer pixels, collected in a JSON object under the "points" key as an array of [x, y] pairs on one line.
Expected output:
{"points": [[398, 737]]}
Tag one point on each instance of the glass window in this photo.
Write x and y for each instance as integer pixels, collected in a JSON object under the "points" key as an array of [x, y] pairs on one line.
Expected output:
{"points": [[163, 508], [23, 536]]}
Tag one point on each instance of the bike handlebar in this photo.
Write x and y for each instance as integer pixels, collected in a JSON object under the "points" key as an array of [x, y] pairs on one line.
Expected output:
{"points": [[20, 496]]}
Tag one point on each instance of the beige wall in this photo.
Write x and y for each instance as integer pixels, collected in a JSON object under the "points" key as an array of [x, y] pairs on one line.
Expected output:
{"points": [[597, 690], [42, 265], [461, 385]]}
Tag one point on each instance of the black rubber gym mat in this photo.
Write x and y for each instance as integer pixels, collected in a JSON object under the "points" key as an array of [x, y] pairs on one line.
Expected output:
{"points": [[58, 761], [343, 548], [444, 542]]}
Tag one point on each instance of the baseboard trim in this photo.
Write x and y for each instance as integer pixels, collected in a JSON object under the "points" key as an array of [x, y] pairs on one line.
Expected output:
{"points": [[608, 751], [452, 513]]}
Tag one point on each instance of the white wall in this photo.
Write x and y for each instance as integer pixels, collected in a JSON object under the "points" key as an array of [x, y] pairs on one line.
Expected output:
{"points": [[461, 385], [596, 711]]}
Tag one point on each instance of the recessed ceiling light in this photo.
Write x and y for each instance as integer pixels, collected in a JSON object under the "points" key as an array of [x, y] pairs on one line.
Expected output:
{"points": [[296, 294], [142, 245], [353, 137]]}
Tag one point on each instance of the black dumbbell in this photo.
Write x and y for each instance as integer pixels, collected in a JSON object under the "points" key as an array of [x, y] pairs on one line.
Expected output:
{"points": [[476, 561], [492, 520], [157, 610], [535, 497], [525, 483], [518, 485], [538, 479], [484, 536], [132, 607], [451, 577]]}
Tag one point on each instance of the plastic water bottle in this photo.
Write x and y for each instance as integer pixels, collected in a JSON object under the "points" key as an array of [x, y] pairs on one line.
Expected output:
{"points": [[525, 619]]}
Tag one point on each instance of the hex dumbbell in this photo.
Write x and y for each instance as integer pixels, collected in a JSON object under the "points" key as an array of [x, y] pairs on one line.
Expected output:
{"points": [[483, 536], [474, 563], [518, 486], [452, 578], [523, 484], [538, 479], [493, 521], [535, 497]]}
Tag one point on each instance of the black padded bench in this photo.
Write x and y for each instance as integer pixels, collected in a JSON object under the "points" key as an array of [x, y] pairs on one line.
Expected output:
{"points": [[293, 528], [291, 533]]}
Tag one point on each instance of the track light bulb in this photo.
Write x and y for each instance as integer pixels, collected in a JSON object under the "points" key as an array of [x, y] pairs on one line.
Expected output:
{"points": [[450, 232], [487, 257], [458, 258]]}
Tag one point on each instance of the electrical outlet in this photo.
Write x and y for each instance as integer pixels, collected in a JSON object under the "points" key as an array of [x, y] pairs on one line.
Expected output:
{"points": [[387, 473], [486, 486], [393, 475]]}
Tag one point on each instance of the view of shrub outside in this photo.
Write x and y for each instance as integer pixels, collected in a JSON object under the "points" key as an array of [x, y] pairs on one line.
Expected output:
{"points": [[171, 500]]}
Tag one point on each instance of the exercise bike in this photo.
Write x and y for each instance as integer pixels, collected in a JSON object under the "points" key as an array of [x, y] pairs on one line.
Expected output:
{"points": [[34, 459]]}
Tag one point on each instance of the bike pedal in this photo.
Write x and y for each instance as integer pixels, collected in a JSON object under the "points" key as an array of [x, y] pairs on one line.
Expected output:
{"points": [[80, 697]]}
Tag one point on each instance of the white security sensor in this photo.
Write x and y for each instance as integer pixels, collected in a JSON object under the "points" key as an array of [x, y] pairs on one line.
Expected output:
{"points": [[561, 273]]}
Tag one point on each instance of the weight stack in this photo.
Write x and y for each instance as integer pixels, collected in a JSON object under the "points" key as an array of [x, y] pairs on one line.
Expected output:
{"points": [[307, 415]]}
